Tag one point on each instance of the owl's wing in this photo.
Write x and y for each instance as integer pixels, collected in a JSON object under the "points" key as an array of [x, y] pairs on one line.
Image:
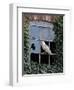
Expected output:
{"points": [[46, 48]]}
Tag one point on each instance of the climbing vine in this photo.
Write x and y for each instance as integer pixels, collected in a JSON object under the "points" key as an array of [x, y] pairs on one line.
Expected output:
{"points": [[58, 28], [26, 38]]}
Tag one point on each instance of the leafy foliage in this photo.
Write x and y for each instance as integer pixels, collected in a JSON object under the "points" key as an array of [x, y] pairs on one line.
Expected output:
{"points": [[41, 69], [58, 28], [26, 39]]}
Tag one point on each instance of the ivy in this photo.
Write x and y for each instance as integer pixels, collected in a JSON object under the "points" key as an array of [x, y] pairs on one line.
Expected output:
{"points": [[26, 39], [58, 28]]}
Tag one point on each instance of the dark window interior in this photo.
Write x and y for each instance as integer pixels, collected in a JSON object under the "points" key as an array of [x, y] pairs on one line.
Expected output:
{"points": [[52, 59], [34, 57], [53, 47], [44, 59]]}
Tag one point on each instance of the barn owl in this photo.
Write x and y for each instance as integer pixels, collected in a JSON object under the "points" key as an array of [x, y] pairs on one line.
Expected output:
{"points": [[46, 48]]}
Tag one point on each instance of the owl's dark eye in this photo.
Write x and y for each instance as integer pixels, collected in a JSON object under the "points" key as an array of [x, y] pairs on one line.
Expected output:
{"points": [[33, 46]]}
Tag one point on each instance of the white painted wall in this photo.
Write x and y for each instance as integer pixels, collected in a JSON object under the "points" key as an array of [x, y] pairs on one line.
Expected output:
{"points": [[4, 45]]}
